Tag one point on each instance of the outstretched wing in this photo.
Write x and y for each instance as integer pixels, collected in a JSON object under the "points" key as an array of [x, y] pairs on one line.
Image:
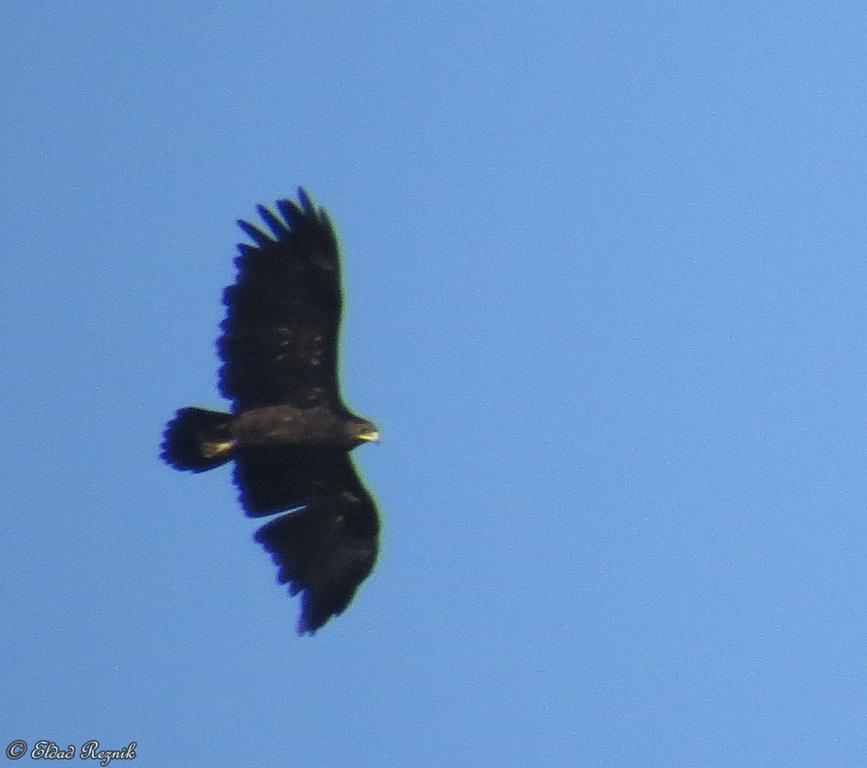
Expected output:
{"points": [[279, 342], [327, 546]]}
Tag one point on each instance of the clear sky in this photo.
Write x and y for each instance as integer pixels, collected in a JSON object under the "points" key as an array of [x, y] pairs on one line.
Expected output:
{"points": [[606, 278]]}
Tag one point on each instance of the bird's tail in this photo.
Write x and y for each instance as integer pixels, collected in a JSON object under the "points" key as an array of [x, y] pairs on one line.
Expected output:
{"points": [[198, 440]]}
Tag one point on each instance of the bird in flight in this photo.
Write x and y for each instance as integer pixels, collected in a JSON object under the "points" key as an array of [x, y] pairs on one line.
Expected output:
{"points": [[289, 432]]}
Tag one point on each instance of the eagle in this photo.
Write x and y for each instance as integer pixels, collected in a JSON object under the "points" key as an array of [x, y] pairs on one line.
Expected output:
{"points": [[289, 432]]}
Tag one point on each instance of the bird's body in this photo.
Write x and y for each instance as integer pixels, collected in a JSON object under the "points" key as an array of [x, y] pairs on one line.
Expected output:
{"points": [[287, 425], [289, 432]]}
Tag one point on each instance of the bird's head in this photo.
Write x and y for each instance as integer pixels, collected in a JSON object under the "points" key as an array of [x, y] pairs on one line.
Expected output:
{"points": [[363, 431]]}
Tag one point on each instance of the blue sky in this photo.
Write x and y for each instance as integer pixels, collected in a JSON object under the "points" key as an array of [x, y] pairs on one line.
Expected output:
{"points": [[605, 267]]}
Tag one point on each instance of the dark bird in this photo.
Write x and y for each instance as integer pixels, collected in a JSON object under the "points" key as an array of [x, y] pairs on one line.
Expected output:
{"points": [[289, 432]]}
